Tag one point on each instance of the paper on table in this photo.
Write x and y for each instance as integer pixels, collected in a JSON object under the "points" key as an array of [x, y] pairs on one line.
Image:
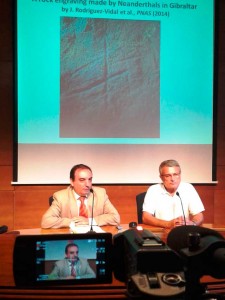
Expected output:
{"points": [[84, 228]]}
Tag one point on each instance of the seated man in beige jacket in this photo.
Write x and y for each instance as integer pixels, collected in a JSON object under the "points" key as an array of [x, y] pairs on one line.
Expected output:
{"points": [[74, 204]]}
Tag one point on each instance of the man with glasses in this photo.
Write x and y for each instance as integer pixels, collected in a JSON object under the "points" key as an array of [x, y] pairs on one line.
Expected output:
{"points": [[172, 202], [72, 266]]}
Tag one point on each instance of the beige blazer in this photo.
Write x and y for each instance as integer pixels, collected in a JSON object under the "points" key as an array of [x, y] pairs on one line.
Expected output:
{"points": [[64, 210], [62, 270]]}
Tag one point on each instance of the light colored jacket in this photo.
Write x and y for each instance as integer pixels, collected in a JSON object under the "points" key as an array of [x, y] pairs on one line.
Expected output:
{"points": [[61, 270], [64, 209]]}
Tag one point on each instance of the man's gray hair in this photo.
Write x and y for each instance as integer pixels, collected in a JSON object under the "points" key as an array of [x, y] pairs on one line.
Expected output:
{"points": [[168, 163]]}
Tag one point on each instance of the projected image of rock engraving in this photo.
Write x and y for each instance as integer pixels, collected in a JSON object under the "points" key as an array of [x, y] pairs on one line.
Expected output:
{"points": [[109, 78]]}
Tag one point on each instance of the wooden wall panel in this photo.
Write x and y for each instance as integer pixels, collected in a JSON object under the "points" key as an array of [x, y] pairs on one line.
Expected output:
{"points": [[221, 176], [221, 147], [220, 92], [6, 178], [29, 208], [6, 113], [6, 26], [7, 209], [206, 193], [124, 199], [219, 208], [30, 204], [6, 83]]}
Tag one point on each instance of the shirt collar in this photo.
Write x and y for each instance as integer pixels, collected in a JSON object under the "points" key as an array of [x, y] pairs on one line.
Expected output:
{"points": [[78, 196], [164, 191], [71, 263]]}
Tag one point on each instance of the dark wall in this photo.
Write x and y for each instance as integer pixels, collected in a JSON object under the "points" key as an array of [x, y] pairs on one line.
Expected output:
{"points": [[22, 206]]}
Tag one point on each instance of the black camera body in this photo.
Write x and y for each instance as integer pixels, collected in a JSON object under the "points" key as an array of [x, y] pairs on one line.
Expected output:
{"points": [[147, 264]]}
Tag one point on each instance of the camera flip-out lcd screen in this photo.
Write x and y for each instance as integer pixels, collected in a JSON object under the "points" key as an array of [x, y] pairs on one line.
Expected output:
{"points": [[62, 259]]}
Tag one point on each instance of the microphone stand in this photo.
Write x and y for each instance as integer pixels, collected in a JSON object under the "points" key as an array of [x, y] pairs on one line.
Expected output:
{"points": [[93, 201], [177, 193]]}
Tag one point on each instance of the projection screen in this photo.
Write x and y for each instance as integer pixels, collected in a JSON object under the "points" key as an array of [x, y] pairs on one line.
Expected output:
{"points": [[117, 85]]}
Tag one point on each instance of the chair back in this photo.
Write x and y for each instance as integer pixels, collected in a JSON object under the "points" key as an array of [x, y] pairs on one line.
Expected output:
{"points": [[139, 201], [50, 199]]}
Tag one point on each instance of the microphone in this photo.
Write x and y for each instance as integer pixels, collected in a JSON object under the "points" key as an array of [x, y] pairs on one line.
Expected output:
{"points": [[177, 193], [93, 201], [3, 228]]}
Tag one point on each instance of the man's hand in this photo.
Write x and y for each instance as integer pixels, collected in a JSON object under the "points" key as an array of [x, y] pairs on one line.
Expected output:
{"points": [[81, 221]]}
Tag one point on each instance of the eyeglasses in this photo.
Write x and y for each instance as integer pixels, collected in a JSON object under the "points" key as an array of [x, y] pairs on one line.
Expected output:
{"points": [[72, 252], [169, 176]]}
